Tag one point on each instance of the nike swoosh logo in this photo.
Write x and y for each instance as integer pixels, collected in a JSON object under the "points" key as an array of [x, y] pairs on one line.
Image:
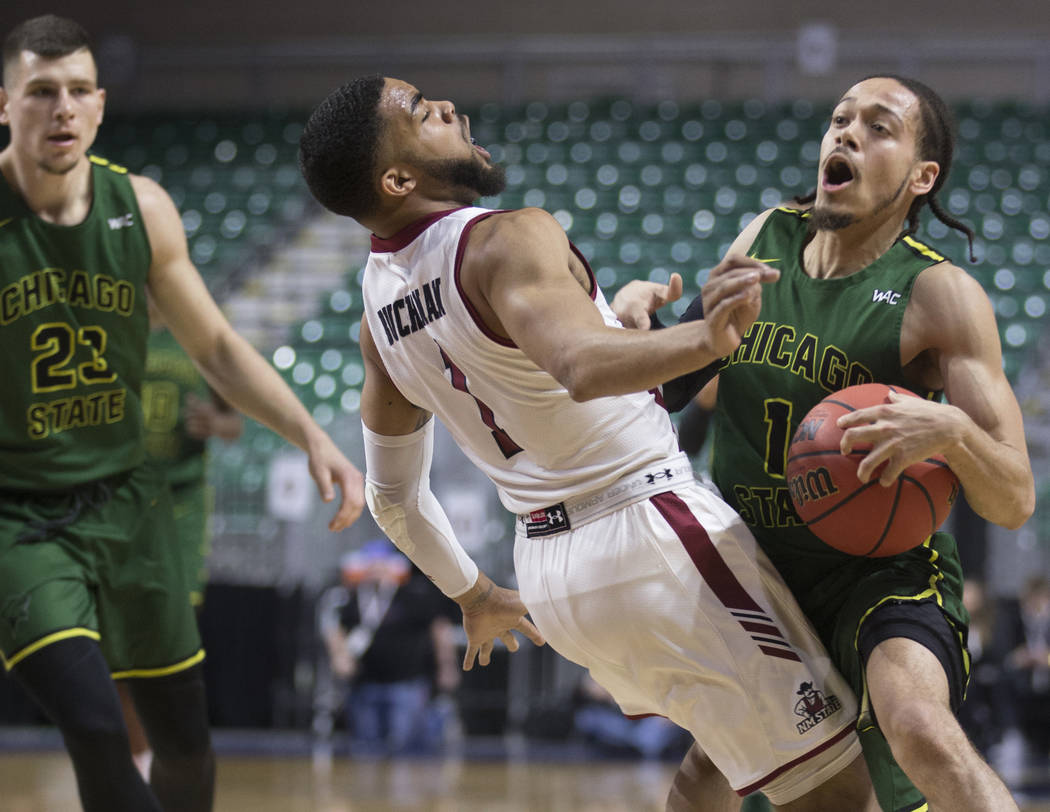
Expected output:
{"points": [[767, 261], [5, 222]]}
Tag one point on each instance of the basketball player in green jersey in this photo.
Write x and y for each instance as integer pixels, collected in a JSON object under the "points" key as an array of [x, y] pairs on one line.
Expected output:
{"points": [[91, 585], [859, 299], [180, 412]]}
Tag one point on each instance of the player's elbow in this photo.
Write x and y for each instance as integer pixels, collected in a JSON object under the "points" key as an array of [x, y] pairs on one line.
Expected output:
{"points": [[1013, 512], [581, 383], [1022, 510]]}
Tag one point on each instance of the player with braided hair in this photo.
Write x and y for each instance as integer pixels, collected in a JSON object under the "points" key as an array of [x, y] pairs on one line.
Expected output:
{"points": [[860, 299], [936, 142]]}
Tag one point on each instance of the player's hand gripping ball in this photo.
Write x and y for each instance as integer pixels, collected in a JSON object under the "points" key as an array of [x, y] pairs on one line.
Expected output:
{"points": [[863, 518]]}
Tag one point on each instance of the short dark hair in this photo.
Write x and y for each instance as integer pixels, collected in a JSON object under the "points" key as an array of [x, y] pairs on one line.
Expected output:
{"points": [[48, 35], [338, 148]]}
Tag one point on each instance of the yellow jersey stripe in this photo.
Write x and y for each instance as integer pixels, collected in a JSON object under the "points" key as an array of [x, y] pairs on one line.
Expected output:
{"points": [[120, 170], [134, 673], [925, 250], [65, 634], [797, 212], [5, 222]]}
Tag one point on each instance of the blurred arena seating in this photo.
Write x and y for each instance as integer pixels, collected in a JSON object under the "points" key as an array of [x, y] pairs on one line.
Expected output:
{"points": [[642, 189]]}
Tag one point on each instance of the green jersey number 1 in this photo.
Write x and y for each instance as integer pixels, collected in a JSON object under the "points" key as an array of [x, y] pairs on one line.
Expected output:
{"points": [[778, 435]]}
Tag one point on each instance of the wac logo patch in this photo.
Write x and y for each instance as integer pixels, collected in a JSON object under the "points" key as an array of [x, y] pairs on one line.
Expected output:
{"points": [[888, 296], [814, 707], [124, 221]]}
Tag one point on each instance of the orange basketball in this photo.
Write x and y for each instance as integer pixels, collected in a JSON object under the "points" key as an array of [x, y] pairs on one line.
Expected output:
{"points": [[863, 518]]}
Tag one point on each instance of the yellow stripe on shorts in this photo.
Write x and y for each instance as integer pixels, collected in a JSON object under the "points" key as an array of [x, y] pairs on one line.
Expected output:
{"points": [[65, 634], [145, 673]]}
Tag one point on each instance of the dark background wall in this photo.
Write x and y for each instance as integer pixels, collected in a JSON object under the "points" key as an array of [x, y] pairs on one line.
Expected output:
{"points": [[197, 54]]}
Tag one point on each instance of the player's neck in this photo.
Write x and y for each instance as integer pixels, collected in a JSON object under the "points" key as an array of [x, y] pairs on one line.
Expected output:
{"points": [[845, 251], [392, 222], [62, 199]]}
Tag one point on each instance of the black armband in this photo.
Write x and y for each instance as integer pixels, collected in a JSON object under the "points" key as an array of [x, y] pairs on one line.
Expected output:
{"points": [[677, 393]]}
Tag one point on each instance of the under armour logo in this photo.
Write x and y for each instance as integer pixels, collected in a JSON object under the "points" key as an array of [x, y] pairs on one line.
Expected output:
{"points": [[546, 522], [664, 474]]}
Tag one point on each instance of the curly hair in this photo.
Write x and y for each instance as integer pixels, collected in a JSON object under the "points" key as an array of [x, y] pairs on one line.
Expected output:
{"points": [[338, 147]]}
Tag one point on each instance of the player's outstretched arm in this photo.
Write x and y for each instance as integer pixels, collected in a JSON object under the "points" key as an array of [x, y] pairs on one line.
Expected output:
{"points": [[399, 444], [519, 266], [230, 365]]}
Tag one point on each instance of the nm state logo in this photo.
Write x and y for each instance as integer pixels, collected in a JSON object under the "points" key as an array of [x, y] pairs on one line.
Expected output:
{"points": [[814, 707]]}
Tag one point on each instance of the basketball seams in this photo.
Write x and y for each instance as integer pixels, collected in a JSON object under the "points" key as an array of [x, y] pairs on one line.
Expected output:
{"points": [[821, 451], [889, 519], [847, 498], [929, 499], [818, 472]]}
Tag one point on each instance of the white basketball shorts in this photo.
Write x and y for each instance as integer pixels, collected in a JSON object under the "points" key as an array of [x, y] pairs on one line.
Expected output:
{"points": [[671, 606]]}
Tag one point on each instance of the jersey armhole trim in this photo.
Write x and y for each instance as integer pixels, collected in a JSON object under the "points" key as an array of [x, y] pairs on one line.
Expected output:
{"points": [[474, 315]]}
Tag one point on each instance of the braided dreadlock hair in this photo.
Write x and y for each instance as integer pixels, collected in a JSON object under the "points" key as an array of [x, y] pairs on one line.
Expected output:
{"points": [[936, 143]]}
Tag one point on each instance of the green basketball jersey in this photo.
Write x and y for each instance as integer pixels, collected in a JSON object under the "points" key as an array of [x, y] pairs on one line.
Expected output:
{"points": [[812, 337], [73, 326], [171, 376]]}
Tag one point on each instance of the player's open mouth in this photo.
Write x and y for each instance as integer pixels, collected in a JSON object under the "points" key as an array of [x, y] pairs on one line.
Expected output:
{"points": [[62, 139], [474, 143], [838, 174]]}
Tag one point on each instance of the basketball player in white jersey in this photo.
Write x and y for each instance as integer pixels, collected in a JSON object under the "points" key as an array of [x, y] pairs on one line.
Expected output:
{"points": [[493, 322]]}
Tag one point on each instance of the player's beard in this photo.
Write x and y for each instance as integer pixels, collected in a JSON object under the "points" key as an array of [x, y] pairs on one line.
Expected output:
{"points": [[823, 218], [470, 178]]}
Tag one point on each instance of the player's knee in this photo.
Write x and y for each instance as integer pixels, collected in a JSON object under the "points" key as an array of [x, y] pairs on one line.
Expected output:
{"points": [[915, 731], [92, 731]]}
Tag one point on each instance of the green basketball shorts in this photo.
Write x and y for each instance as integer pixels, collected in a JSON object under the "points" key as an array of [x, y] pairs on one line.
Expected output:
{"points": [[100, 561]]}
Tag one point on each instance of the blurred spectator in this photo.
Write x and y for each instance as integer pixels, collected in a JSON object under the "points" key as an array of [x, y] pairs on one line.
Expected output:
{"points": [[1025, 637], [988, 711], [601, 722], [392, 637]]}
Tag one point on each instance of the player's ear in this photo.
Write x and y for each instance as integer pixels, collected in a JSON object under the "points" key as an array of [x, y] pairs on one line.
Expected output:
{"points": [[924, 175], [4, 119], [397, 181]]}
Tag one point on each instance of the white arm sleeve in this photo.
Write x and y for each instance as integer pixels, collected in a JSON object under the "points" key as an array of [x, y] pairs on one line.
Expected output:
{"points": [[397, 489]]}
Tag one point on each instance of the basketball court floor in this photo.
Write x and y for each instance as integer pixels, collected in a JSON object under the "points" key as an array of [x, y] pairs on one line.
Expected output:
{"points": [[43, 782]]}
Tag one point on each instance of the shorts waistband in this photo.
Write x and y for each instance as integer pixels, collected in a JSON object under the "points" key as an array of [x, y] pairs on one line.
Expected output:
{"points": [[578, 510]]}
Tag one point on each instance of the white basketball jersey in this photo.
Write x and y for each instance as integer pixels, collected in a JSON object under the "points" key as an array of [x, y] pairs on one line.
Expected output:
{"points": [[510, 417]]}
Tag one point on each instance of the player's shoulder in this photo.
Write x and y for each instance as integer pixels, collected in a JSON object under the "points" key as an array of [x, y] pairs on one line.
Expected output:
{"points": [[515, 230], [513, 220], [744, 241], [948, 302], [147, 190], [947, 278], [155, 203]]}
